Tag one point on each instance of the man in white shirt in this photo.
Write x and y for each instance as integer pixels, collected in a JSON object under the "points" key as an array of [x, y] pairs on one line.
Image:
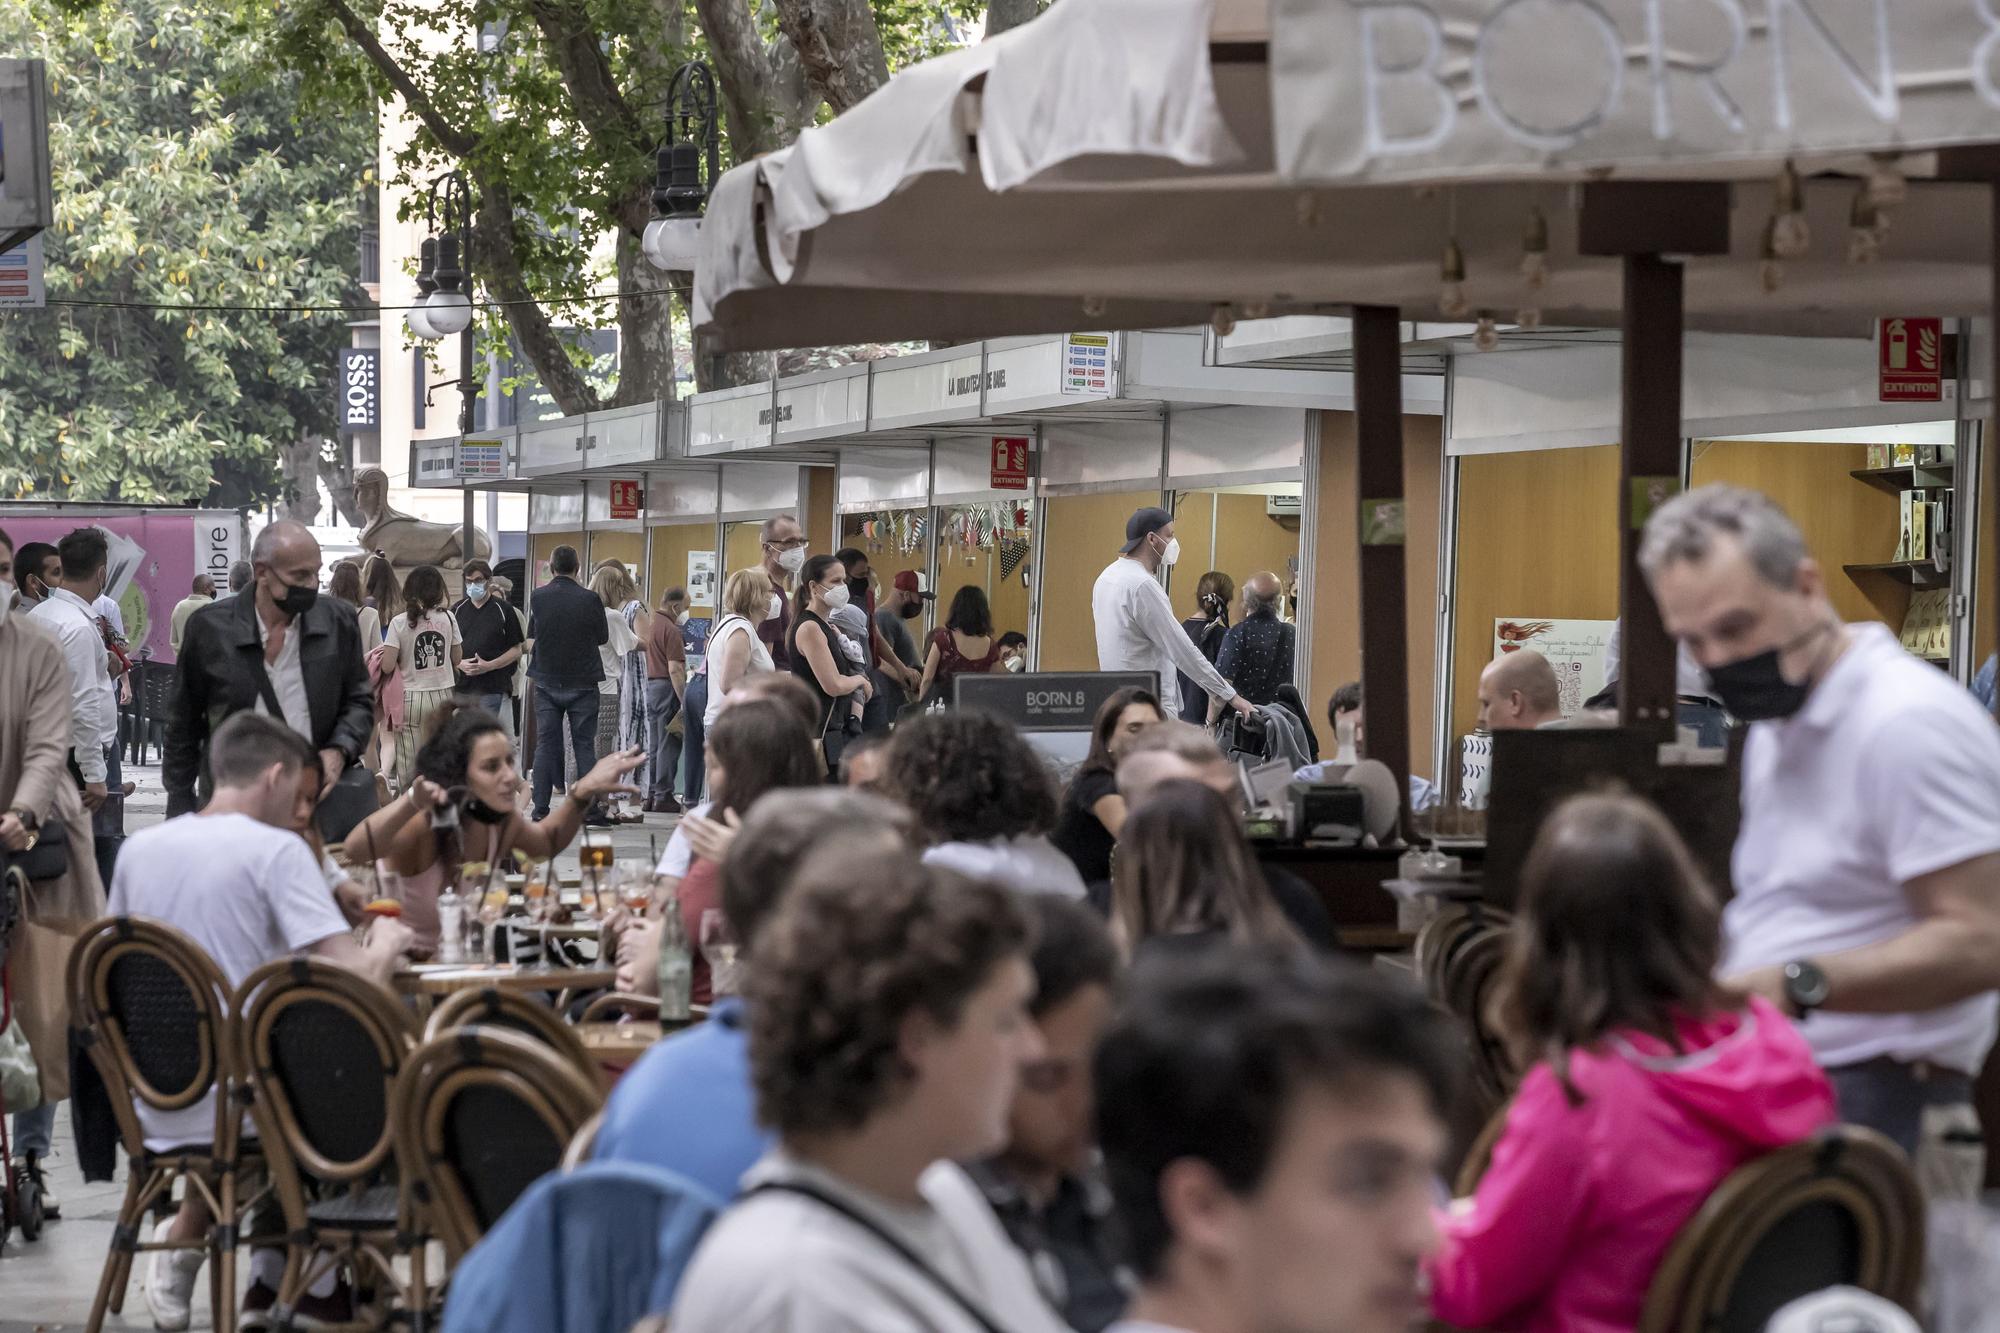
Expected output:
{"points": [[1136, 626], [1271, 1129], [68, 615], [1867, 866], [249, 892]]}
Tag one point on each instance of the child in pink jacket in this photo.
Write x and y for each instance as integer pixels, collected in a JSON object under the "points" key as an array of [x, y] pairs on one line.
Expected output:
{"points": [[1650, 1084]]}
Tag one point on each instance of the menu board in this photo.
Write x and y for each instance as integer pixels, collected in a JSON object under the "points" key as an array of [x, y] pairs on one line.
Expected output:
{"points": [[1577, 649]]}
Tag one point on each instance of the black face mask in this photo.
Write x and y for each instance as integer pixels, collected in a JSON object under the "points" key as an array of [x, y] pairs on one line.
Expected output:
{"points": [[297, 601], [857, 589], [483, 812], [1754, 689], [913, 610]]}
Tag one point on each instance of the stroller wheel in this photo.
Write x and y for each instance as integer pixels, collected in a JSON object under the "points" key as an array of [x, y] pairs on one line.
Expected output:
{"points": [[27, 1203]]}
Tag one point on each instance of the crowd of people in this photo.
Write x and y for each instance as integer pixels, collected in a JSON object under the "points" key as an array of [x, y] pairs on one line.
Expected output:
{"points": [[1004, 1055]]}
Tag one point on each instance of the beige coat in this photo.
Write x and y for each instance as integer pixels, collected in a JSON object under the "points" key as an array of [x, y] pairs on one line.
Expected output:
{"points": [[34, 740]]}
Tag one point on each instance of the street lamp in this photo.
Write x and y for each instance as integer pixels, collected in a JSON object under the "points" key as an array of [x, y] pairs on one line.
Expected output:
{"points": [[443, 308], [688, 164]]}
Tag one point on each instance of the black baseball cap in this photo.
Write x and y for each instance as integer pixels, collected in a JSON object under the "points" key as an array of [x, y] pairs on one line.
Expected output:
{"points": [[1143, 524]]}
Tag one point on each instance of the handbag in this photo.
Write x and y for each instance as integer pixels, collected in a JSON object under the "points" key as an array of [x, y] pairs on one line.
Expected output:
{"points": [[47, 859]]}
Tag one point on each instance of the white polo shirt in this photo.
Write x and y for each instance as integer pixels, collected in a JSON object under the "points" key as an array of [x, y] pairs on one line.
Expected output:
{"points": [[1890, 772]]}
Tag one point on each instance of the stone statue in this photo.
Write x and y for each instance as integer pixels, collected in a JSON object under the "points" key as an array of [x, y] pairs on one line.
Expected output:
{"points": [[408, 541]]}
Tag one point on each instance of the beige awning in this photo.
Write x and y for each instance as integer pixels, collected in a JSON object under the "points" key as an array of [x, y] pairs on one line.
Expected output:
{"points": [[1105, 166]]}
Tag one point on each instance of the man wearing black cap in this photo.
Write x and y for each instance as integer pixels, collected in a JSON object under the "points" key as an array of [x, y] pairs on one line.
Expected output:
{"points": [[1136, 626]]}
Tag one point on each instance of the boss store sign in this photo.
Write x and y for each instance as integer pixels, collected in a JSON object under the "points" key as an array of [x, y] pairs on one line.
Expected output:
{"points": [[360, 389]]}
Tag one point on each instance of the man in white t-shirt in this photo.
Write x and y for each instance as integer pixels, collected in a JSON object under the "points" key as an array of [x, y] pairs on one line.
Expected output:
{"points": [[248, 891], [1867, 867], [1270, 1128]]}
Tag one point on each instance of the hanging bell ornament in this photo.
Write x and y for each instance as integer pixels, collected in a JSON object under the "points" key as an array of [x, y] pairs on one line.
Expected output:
{"points": [[1222, 319], [1308, 210], [1529, 318], [1791, 234], [1887, 186], [1535, 250], [1864, 234], [1452, 302], [1487, 336], [1771, 271], [1093, 306]]}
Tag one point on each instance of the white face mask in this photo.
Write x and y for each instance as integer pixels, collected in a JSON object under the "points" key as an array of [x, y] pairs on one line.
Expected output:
{"points": [[1017, 664], [681, 619], [1171, 555], [792, 561], [836, 596], [777, 607], [6, 602]]}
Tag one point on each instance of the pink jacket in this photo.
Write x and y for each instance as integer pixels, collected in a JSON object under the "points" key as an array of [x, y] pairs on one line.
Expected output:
{"points": [[1581, 1202]]}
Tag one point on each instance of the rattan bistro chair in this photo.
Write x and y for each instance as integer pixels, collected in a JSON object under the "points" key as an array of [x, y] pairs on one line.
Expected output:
{"points": [[1470, 978], [152, 1009], [481, 1114], [322, 1047], [492, 1007], [1840, 1208]]}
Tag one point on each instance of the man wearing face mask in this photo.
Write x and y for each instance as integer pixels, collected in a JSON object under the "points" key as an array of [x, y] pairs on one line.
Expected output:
{"points": [[1867, 865], [37, 568], [492, 638], [784, 546], [1136, 626], [277, 649]]}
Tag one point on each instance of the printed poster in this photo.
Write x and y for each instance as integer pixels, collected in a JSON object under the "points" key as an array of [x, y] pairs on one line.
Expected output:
{"points": [[701, 578], [1575, 648]]}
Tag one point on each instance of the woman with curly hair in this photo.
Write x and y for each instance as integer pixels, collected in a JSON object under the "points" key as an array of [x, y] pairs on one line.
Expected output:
{"points": [[467, 767], [888, 1024], [983, 800]]}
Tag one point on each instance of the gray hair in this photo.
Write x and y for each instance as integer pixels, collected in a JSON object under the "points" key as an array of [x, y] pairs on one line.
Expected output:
{"points": [[768, 530], [1255, 594], [1684, 530]]}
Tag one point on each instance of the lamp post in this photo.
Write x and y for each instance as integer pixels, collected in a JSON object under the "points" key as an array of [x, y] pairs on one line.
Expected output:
{"points": [[443, 307], [688, 164]]}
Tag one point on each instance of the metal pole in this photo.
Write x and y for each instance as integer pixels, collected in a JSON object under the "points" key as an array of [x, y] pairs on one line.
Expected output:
{"points": [[468, 389], [1378, 473], [1651, 457]]}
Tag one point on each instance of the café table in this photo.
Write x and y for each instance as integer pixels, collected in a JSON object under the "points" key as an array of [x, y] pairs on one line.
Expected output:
{"points": [[428, 982], [618, 1046]]}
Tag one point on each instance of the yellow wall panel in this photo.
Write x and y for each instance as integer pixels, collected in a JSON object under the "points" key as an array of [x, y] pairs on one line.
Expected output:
{"points": [[671, 546], [1084, 534]]}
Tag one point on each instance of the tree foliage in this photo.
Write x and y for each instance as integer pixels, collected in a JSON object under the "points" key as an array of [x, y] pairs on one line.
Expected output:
{"points": [[553, 109], [183, 177]]}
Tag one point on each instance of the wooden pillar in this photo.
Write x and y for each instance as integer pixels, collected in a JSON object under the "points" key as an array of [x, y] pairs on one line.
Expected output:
{"points": [[1651, 226], [1378, 474]]}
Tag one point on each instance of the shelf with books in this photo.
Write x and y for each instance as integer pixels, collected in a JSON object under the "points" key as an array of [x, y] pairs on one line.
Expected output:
{"points": [[1916, 573], [1896, 480]]}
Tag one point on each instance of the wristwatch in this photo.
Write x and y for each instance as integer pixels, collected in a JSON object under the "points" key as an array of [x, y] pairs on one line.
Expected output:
{"points": [[1805, 985]]}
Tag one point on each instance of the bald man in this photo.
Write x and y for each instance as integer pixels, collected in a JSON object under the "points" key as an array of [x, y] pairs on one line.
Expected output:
{"points": [[1258, 652], [279, 649], [1518, 692]]}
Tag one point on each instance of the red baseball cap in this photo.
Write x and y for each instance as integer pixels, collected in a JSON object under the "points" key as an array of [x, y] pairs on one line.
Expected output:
{"points": [[911, 581]]}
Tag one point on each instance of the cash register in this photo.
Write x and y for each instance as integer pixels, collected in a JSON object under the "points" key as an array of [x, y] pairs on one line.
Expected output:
{"points": [[1354, 802]]}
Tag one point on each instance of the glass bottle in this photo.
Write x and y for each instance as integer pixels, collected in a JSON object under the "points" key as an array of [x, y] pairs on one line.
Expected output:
{"points": [[676, 965]]}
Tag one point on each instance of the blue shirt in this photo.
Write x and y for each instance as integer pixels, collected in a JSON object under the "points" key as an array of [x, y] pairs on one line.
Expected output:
{"points": [[1423, 795], [1983, 683], [687, 1106]]}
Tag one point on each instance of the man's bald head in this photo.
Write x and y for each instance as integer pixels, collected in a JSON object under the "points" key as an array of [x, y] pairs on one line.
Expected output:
{"points": [[1260, 591], [1519, 692], [282, 539], [1170, 752], [284, 556]]}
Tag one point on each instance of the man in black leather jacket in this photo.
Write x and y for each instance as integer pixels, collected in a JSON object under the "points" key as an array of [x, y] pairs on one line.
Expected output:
{"points": [[279, 647]]}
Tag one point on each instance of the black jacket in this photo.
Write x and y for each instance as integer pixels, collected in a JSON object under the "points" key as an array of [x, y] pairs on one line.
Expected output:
{"points": [[566, 621], [217, 676]]}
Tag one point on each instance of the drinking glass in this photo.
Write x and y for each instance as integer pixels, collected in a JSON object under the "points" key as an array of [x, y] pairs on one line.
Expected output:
{"points": [[719, 946], [595, 857], [535, 894]]}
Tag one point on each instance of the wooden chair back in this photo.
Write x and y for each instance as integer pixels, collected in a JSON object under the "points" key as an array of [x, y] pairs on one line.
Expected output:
{"points": [[490, 1006], [480, 1115], [1470, 978], [154, 1011], [1840, 1208], [322, 1047]]}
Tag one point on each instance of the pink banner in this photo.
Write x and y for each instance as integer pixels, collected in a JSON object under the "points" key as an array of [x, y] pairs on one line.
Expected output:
{"points": [[154, 558]]}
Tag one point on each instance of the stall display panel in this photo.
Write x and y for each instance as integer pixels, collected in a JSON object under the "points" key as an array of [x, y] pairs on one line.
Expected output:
{"points": [[742, 546], [990, 546], [1536, 538], [627, 548], [542, 545], [1236, 534], [896, 540], [1084, 534], [672, 545]]}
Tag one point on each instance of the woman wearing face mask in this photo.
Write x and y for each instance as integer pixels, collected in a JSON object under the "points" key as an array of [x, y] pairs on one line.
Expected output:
{"points": [[839, 684], [423, 647], [965, 644], [734, 651], [469, 763]]}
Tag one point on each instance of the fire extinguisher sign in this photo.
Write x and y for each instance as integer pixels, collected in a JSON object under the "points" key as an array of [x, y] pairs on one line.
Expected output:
{"points": [[1912, 360]]}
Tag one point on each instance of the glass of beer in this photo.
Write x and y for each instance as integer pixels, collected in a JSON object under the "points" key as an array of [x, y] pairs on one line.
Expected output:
{"points": [[595, 856]]}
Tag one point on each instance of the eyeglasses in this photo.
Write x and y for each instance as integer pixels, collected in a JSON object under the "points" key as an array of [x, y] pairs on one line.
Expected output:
{"points": [[791, 544]]}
